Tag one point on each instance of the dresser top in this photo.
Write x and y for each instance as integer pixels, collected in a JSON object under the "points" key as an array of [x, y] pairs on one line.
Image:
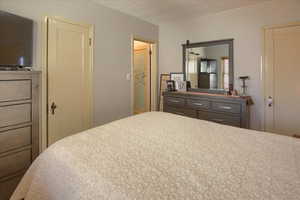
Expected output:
{"points": [[19, 72]]}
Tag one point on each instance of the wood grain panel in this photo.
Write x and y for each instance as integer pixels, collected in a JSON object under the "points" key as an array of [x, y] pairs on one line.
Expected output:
{"points": [[15, 90], [15, 162], [15, 114], [198, 104], [226, 107], [181, 111], [16, 138], [8, 186], [173, 101], [220, 118]]}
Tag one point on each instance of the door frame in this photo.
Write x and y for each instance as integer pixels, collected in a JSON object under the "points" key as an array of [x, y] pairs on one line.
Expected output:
{"points": [[44, 104], [265, 68], [154, 71]]}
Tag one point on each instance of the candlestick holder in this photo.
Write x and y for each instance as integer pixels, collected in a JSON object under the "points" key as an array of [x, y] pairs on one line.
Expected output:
{"points": [[244, 86]]}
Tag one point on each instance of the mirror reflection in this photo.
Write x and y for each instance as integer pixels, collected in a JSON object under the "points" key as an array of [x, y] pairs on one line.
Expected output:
{"points": [[208, 67]]}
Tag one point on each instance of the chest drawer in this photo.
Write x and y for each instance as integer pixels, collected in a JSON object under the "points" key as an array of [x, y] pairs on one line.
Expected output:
{"points": [[174, 101], [15, 90], [197, 104], [8, 186], [226, 107], [15, 114], [13, 139], [181, 111], [15, 162], [220, 118]]}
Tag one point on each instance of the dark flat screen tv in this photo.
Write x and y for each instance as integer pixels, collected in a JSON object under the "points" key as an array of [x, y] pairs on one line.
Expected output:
{"points": [[16, 40]]}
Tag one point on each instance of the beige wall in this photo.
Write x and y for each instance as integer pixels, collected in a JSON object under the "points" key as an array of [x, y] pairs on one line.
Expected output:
{"points": [[245, 26], [112, 53]]}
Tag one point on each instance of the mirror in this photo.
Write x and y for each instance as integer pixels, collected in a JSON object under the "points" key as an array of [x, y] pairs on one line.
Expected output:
{"points": [[209, 66]]}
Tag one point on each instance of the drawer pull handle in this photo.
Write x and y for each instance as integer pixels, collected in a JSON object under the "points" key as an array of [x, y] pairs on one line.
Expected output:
{"points": [[174, 101], [198, 104], [179, 113], [226, 107], [218, 120]]}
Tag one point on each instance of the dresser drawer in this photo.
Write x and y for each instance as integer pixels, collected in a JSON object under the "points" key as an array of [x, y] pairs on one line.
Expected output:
{"points": [[15, 114], [181, 111], [8, 186], [220, 118], [13, 139], [226, 107], [174, 101], [15, 162], [197, 104], [15, 90]]}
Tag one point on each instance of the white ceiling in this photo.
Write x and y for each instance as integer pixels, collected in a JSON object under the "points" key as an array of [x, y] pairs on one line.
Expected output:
{"points": [[157, 11]]}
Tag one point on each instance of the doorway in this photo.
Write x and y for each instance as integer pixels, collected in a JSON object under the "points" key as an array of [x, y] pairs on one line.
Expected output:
{"points": [[69, 78], [144, 77], [282, 88]]}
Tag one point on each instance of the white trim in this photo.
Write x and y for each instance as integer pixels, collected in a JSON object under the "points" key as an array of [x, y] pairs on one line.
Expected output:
{"points": [[262, 81]]}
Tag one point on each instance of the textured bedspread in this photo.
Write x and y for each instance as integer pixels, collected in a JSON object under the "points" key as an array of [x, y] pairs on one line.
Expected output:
{"points": [[164, 156]]}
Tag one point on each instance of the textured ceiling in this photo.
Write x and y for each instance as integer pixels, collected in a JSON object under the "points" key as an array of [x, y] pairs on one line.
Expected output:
{"points": [[157, 11]]}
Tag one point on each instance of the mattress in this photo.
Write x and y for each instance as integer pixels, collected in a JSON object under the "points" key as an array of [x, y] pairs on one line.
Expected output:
{"points": [[164, 156]]}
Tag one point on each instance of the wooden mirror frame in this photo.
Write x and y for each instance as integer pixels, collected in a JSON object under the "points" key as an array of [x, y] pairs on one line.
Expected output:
{"points": [[208, 44]]}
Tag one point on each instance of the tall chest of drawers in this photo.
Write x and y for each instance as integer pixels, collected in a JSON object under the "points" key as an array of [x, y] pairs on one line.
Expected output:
{"points": [[19, 126], [228, 110]]}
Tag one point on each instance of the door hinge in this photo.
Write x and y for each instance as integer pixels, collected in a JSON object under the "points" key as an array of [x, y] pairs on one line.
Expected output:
{"points": [[90, 41]]}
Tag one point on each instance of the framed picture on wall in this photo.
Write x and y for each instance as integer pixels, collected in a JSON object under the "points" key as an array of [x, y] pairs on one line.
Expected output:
{"points": [[163, 87]]}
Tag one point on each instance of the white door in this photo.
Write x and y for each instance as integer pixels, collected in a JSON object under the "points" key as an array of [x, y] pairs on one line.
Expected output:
{"points": [[141, 75], [69, 79], [282, 80]]}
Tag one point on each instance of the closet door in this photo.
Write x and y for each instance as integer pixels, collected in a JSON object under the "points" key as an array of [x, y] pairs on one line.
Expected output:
{"points": [[69, 79], [282, 79]]}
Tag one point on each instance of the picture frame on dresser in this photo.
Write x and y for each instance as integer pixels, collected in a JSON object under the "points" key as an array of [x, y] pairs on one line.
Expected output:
{"points": [[162, 87], [171, 86], [178, 77]]}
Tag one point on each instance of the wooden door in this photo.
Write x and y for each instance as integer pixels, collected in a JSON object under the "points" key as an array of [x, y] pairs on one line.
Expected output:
{"points": [[282, 79], [69, 79], [141, 75]]}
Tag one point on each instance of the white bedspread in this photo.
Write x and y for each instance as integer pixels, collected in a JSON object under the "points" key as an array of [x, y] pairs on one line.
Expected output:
{"points": [[165, 156]]}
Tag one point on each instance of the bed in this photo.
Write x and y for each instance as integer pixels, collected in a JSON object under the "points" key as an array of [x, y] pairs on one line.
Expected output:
{"points": [[164, 156]]}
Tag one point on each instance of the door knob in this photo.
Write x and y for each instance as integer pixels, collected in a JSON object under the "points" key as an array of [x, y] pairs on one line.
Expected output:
{"points": [[53, 107], [270, 101]]}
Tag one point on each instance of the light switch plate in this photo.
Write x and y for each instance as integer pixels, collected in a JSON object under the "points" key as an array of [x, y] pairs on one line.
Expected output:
{"points": [[128, 76]]}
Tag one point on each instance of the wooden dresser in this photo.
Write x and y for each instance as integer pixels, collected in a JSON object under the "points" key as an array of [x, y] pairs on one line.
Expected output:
{"points": [[228, 110], [19, 127]]}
